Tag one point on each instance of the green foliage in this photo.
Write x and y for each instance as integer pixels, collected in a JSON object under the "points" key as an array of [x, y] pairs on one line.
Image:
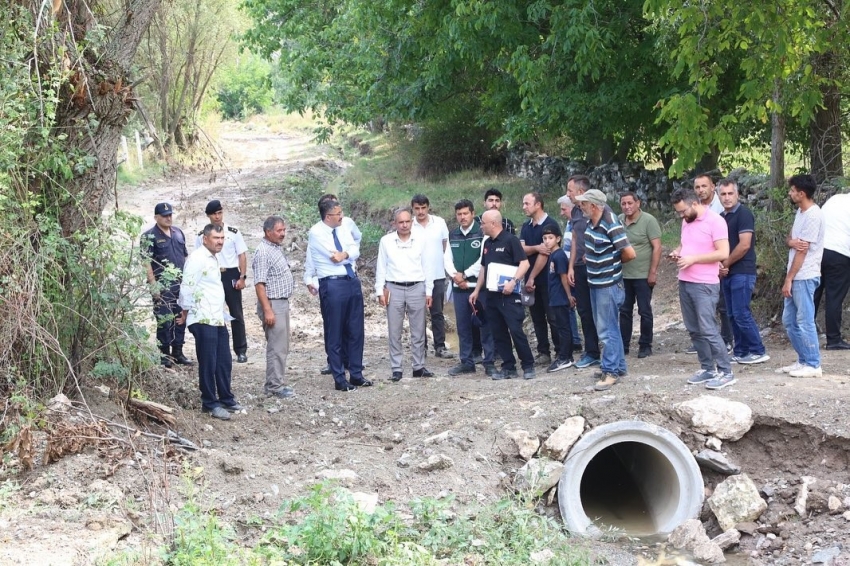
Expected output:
{"points": [[773, 224], [245, 90]]}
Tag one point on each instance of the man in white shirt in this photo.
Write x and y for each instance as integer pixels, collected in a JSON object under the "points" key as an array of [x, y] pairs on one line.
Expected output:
{"points": [[329, 273], [202, 300], [436, 238], [402, 285], [835, 267], [233, 262]]}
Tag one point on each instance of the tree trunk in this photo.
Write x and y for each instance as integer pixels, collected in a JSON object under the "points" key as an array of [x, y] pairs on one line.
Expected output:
{"points": [[777, 144], [825, 130], [95, 103]]}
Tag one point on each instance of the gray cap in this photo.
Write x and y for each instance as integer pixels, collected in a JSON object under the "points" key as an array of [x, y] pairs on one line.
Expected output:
{"points": [[593, 196]]}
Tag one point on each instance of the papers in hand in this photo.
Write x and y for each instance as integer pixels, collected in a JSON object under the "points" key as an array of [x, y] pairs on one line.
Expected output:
{"points": [[498, 274]]}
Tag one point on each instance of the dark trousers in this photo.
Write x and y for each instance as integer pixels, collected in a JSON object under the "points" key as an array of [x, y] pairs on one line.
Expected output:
{"points": [[561, 320], [465, 330], [438, 319], [342, 316], [542, 317], [166, 310], [233, 299], [505, 314], [834, 282], [214, 365], [581, 291], [637, 290], [725, 325]]}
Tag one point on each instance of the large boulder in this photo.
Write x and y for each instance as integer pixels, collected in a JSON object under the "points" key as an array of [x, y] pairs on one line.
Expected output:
{"points": [[558, 445], [707, 414], [690, 536], [736, 500], [538, 475]]}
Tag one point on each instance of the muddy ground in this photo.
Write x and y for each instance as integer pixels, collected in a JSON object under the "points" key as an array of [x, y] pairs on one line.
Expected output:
{"points": [[73, 511]]}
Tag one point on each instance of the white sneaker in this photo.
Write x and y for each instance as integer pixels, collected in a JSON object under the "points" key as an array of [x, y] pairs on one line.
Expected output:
{"points": [[807, 371], [788, 369]]}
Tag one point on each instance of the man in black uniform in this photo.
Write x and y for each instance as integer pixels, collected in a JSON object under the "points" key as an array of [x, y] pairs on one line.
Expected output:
{"points": [[165, 246], [505, 312], [233, 262]]}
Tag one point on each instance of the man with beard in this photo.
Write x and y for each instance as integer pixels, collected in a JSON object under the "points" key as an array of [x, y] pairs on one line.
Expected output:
{"points": [[705, 243]]}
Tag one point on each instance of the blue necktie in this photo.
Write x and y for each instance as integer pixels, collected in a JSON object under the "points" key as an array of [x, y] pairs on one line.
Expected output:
{"points": [[348, 268]]}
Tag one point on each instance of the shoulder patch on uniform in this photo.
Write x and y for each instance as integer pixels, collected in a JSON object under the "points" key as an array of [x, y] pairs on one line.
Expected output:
{"points": [[232, 229]]}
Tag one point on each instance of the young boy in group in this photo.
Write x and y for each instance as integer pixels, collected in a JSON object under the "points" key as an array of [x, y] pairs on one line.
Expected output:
{"points": [[560, 298]]}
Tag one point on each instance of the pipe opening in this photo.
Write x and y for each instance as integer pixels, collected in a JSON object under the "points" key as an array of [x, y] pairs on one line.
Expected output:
{"points": [[631, 487]]}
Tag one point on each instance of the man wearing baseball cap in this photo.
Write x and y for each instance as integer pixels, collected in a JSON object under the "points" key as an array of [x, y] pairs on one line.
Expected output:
{"points": [[164, 246], [233, 263], [606, 249]]}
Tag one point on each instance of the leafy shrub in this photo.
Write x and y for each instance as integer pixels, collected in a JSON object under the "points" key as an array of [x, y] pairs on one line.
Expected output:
{"points": [[246, 90]]}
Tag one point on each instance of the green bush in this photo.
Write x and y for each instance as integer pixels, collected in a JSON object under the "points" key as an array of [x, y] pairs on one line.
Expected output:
{"points": [[245, 90]]}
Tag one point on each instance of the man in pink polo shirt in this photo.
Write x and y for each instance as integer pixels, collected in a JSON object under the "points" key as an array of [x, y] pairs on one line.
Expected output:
{"points": [[705, 243]]}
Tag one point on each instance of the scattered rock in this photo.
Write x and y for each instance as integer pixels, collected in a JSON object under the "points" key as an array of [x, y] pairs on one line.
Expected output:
{"points": [[342, 476], [801, 502], [558, 445], [438, 438], [526, 444], [538, 475], [59, 405], [690, 536], [230, 466], [542, 556], [727, 539], [846, 515], [435, 462], [826, 556], [367, 502], [714, 443], [747, 527], [716, 461], [736, 500], [729, 420]]}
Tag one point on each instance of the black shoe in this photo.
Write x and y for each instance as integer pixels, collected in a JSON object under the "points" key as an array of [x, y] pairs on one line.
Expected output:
{"points": [[345, 387], [241, 358], [217, 413], [838, 346], [362, 383], [477, 358], [461, 368], [577, 347], [645, 351], [422, 372], [505, 374], [444, 353], [490, 370], [166, 361], [326, 370], [183, 360], [626, 351], [234, 408], [396, 376], [283, 393]]}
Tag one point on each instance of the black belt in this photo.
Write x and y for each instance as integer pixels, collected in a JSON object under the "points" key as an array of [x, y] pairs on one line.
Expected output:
{"points": [[405, 283], [279, 299], [226, 269], [335, 277]]}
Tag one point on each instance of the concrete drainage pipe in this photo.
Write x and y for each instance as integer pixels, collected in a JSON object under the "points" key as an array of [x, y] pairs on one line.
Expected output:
{"points": [[630, 477]]}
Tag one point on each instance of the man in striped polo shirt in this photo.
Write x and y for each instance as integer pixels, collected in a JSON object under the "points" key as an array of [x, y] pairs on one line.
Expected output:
{"points": [[606, 249]]}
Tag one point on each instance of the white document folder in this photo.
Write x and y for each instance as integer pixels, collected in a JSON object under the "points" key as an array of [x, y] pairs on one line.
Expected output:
{"points": [[498, 274]]}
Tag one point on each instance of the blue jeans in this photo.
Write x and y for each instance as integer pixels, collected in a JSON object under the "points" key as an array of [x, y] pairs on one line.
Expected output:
{"points": [[738, 292], [699, 303], [606, 303], [799, 321]]}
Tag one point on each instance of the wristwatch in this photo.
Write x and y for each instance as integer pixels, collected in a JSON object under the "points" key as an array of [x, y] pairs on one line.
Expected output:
{"points": [[243, 276]]}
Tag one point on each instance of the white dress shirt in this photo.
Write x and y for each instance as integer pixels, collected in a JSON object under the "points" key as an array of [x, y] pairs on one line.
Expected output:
{"points": [[234, 246], [403, 262], [449, 259], [201, 292], [320, 247], [436, 236], [351, 226], [836, 212]]}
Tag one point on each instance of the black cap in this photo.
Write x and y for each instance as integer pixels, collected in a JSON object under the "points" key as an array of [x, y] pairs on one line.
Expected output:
{"points": [[213, 206], [163, 209]]}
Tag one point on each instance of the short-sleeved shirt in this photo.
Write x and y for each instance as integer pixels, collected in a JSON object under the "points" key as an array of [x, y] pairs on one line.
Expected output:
{"points": [[640, 233], [578, 221], [436, 232], [740, 220], [603, 244], [809, 226], [504, 248], [164, 250], [698, 237], [532, 235], [271, 268], [557, 265], [836, 213]]}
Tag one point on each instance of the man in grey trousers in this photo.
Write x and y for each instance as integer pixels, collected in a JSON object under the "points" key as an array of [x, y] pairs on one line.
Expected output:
{"points": [[402, 286]]}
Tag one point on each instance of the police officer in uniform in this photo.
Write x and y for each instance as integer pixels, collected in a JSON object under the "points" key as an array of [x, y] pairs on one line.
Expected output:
{"points": [[233, 262], [165, 246]]}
